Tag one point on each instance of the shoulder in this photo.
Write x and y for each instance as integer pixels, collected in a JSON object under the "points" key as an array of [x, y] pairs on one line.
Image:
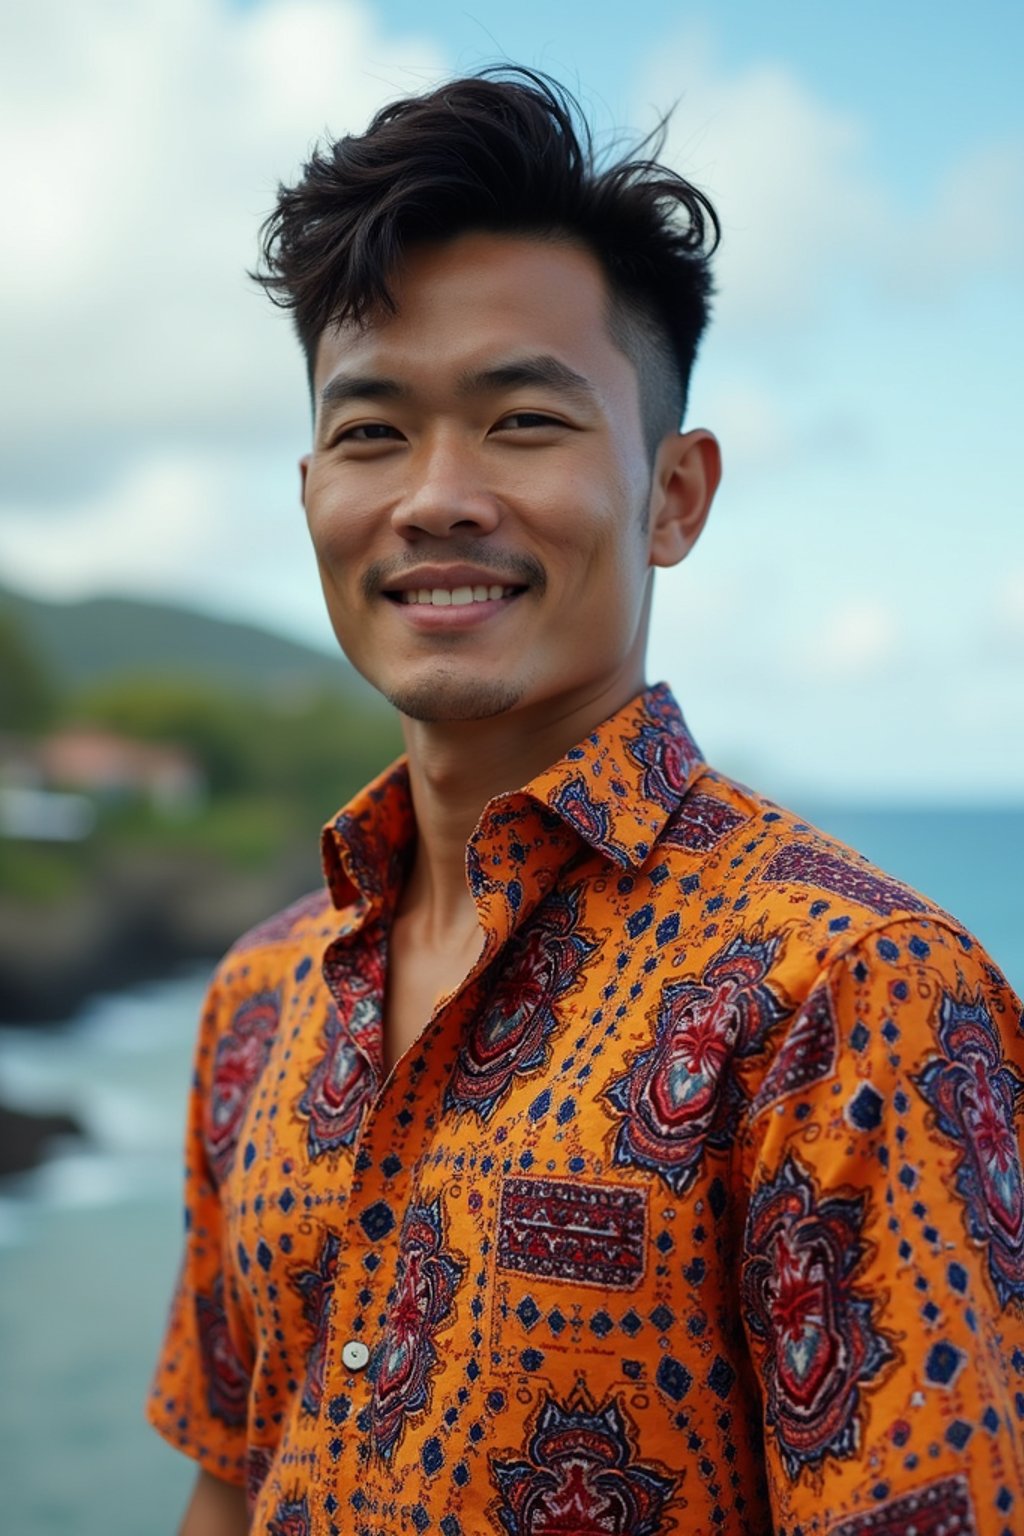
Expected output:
{"points": [[309, 919], [251, 982], [759, 867]]}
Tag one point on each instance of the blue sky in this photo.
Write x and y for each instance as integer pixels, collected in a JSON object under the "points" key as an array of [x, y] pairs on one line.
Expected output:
{"points": [[852, 623]]}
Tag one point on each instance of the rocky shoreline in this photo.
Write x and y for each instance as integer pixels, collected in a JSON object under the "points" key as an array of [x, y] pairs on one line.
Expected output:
{"points": [[135, 923], [139, 918]]}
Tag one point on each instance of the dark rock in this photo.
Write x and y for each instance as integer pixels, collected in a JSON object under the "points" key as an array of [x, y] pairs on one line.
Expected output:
{"points": [[140, 919], [25, 1139]]}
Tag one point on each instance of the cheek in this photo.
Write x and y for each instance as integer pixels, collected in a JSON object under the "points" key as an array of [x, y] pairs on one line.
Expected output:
{"points": [[605, 549], [336, 527]]}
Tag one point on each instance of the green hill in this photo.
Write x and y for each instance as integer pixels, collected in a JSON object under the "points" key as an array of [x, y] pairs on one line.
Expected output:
{"points": [[98, 639]]}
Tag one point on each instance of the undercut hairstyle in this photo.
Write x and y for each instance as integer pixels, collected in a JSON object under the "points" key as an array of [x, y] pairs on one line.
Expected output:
{"points": [[509, 152]]}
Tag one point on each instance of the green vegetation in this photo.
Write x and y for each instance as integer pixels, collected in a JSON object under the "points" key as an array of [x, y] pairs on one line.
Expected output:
{"points": [[305, 752], [43, 877], [275, 756], [28, 693], [89, 641]]}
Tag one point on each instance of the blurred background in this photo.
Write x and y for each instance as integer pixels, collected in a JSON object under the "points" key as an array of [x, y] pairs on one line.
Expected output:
{"points": [[175, 723]]}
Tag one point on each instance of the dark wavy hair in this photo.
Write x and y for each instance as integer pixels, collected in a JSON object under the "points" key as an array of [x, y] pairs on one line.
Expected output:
{"points": [[506, 151]]}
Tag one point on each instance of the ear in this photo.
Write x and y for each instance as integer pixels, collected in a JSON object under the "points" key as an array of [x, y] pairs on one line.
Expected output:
{"points": [[303, 472], [687, 469]]}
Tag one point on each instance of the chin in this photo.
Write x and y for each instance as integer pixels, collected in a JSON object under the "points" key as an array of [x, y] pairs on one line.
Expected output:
{"points": [[439, 699]]}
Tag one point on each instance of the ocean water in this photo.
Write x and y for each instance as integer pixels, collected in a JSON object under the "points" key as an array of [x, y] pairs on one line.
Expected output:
{"points": [[969, 861], [89, 1246], [89, 1243]]}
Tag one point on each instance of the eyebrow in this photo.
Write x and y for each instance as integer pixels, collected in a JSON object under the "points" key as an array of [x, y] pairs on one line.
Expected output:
{"points": [[543, 369], [360, 386]]}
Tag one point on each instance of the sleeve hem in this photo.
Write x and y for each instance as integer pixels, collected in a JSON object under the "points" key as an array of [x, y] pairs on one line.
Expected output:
{"points": [[228, 1466]]}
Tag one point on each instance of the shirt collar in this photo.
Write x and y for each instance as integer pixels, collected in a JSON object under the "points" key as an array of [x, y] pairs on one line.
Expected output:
{"points": [[622, 783], [615, 790], [367, 848]]}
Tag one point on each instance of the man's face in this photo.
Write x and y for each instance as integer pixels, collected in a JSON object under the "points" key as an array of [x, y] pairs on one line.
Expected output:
{"points": [[478, 489]]}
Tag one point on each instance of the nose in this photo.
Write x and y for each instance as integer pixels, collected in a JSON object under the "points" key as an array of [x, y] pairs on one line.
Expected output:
{"points": [[446, 493]]}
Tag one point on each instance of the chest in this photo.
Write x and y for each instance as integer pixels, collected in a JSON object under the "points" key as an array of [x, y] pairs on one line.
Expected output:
{"points": [[419, 975], [573, 1058], [493, 1232]]}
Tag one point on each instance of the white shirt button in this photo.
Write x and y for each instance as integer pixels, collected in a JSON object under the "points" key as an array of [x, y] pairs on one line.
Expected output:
{"points": [[355, 1354]]}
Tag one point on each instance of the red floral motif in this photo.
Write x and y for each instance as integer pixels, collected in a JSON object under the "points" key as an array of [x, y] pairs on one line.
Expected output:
{"points": [[242, 1053], [227, 1379], [976, 1097], [511, 1033], [290, 1518], [679, 1097], [815, 1331], [401, 1366], [581, 1476]]}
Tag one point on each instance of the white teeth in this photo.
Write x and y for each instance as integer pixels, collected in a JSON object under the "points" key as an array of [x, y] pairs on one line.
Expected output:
{"points": [[458, 597]]}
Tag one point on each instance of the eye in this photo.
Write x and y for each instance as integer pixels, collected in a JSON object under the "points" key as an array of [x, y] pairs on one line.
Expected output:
{"points": [[368, 432], [520, 421]]}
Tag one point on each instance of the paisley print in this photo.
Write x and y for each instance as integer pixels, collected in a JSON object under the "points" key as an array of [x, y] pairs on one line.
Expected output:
{"points": [[290, 1518], [336, 1094], [806, 1055], [846, 875], [314, 1286], [341, 1082], [701, 823], [581, 1476], [665, 751], [936, 1509], [241, 1055], [510, 1036], [403, 1363], [976, 1096], [815, 1332], [680, 1096], [587, 816], [691, 1211], [226, 1376]]}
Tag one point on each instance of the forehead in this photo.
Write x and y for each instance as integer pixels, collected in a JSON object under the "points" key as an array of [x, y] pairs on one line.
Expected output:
{"points": [[480, 296]]}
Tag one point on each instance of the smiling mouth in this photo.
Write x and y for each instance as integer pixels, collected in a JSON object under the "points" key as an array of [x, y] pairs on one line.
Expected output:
{"points": [[453, 597]]}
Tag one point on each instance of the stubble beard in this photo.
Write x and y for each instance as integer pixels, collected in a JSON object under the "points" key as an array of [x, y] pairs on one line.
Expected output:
{"points": [[447, 693], [448, 697]]}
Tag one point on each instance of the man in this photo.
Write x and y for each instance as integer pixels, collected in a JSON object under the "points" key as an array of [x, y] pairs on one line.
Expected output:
{"points": [[606, 1150]]}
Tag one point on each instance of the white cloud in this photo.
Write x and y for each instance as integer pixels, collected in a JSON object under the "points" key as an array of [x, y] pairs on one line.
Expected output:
{"points": [[141, 534], [856, 641], [803, 207], [973, 226], [1008, 606], [756, 433], [783, 168], [145, 141]]}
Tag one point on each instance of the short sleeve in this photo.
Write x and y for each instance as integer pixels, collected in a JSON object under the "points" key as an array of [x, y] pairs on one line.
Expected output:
{"points": [[200, 1391], [882, 1275]]}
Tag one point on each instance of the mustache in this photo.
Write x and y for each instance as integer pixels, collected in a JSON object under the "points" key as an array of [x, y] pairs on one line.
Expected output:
{"points": [[520, 570]]}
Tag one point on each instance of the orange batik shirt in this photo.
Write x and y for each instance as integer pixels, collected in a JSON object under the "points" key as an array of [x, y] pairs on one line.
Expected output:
{"points": [[697, 1208]]}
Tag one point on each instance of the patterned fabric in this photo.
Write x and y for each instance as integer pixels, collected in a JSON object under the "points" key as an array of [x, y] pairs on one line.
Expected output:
{"points": [[697, 1208]]}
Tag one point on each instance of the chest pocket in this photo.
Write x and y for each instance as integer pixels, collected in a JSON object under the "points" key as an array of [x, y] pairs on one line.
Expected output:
{"points": [[570, 1267]]}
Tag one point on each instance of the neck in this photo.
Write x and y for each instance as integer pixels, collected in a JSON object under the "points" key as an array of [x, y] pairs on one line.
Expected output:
{"points": [[456, 767]]}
